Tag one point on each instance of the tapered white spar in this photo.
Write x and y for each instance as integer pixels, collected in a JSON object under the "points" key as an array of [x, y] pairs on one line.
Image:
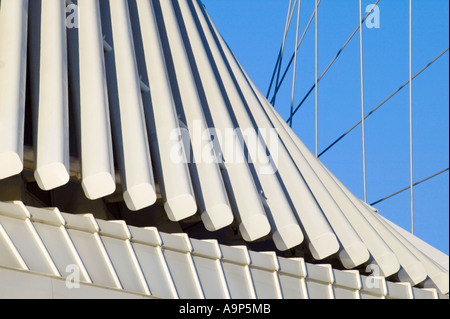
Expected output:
{"points": [[131, 135], [321, 238], [97, 167], [173, 176], [213, 199], [247, 199], [13, 52], [354, 252], [286, 231], [50, 94]]}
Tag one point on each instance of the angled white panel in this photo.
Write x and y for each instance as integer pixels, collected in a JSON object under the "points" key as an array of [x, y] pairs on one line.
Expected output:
{"points": [[55, 239], [292, 275], [286, 232], [29, 245], [373, 287], [125, 264], [206, 256], [263, 268], [176, 249], [162, 122], [346, 284], [399, 290], [13, 52], [319, 281], [146, 243], [98, 265], [235, 263], [10, 257], [96, 152], [425, 293], [212, 197], [128, 115], [249, 208], [50, 104]]}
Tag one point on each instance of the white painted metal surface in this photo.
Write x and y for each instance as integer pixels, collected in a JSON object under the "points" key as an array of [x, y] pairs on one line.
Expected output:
{"points": [[48, 254], [150, 82], [13, 52]]}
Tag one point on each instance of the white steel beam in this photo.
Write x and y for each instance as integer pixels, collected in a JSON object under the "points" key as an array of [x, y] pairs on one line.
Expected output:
{"points": [[13, 52]]}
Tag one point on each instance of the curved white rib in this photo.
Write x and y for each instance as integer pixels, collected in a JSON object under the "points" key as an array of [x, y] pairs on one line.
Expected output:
{"points": [[137, 172], [13, 53], [98, 177], [321, 238], [162, 121], [286, 232], [216, 210], [247, 199], [51, 110]]}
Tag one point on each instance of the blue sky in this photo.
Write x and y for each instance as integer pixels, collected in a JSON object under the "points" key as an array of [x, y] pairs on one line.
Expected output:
{"points": [[254, 29]]}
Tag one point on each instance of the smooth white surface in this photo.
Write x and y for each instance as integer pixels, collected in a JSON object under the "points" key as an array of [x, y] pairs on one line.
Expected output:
{"points": [[13, 62], [44, 251]]}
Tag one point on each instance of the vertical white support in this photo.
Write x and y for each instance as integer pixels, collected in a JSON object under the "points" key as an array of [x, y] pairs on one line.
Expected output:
{"points": [[174, 179], [137, 171], [13, 53], [51, 107], [97, 167], [216, 210]]}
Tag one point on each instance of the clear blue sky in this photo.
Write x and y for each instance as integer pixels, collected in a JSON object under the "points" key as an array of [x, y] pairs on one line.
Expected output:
{"points": [[254, 29]]}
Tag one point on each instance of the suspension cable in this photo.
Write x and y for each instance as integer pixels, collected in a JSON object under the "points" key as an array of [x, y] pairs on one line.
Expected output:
{"points": [[408, 187], [281, 53], [362, 101], [383, 102], [332, 61], [295, 60], [280, 82], [316, 91], [411, 119]]}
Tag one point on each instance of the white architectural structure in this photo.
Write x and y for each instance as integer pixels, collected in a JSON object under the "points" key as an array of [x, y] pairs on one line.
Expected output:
{"points": [[142, 116]]}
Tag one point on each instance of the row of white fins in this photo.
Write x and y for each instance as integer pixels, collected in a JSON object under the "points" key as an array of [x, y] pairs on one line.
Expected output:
{"points": [[302, 202], [143, 261]]}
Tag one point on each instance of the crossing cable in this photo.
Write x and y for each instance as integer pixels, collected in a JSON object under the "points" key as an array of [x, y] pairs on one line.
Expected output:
{"points": [[383, 102], [278, 64], [361, 63], [280, 82], [316, 92], [295, 60], [408, 187], [332, 61], [410, 119]]}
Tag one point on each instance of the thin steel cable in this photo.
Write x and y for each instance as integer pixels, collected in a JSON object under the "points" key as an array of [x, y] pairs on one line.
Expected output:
{"points": [[408, 187], [383, 102], [277, 87], [332, 61], [279, 62], [362, 101], [295, 60], [411, 119], [316, 23]]}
